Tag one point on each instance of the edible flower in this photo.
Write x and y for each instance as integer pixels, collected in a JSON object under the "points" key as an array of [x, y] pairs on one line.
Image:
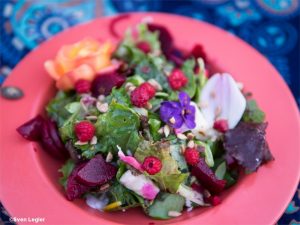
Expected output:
{"points": [[129, 160], [177, 114], [81, 60]]}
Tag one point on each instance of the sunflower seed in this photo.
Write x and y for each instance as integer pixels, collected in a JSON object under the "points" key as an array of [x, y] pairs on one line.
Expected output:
{"points": [[131, 89], [166, 130], [101, 98], [161, 130], [102, 107], [172, 120], [109, 157], [128, 85], [191, 144], [93, 141], [189, 209], [91, 117], [155, 84], [181, 136], [190, 136], [81, 143], [174, 214], [149, 106], [104, 187], [10, 92]]}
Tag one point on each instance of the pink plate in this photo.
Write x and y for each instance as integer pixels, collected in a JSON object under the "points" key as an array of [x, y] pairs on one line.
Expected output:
{"points": [[29, 186]]}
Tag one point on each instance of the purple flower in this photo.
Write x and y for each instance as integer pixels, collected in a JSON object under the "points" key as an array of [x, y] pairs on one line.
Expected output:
{"points": [[176, 114]]}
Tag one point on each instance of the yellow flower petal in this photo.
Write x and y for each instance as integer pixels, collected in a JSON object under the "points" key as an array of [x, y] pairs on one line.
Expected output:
{"points": [[112, 206]]}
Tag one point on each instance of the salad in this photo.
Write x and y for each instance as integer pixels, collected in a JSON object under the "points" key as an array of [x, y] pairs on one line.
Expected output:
{"points": [[144, 124]]}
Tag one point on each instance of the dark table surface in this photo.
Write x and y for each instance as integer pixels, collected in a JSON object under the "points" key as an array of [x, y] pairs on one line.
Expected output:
{"points": [[270, 26]]}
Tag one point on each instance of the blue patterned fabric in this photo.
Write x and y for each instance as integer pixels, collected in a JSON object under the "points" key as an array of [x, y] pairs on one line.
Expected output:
{"points": [[270, 26]]}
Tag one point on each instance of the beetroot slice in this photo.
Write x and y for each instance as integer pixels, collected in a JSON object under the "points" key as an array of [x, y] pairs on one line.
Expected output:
{"points": [[31, 130], [96, 172], [207, 177], [49, 145], [103, 84], [56, 138], [74, 188]]}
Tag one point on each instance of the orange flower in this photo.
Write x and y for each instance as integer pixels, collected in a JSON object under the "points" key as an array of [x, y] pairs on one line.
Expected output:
{"points": [[81, 60]]}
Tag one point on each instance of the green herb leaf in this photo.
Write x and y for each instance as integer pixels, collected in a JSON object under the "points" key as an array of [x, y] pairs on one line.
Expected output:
{"points": [[56, 107], [73, 107], [66, 170], [165, 203], [147, 69], [188, 69], [120, 96], [253, 113], [136, 80], [209, 159], [221, 170]]}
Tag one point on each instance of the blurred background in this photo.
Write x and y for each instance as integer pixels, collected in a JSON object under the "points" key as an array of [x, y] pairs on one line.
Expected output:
{"points": [[270, 26]]}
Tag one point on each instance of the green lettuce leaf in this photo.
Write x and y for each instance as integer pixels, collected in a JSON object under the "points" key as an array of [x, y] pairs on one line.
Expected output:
{"points": [[66, 170], [169, 178], [253, 113], [164, 203], [119, 126]]}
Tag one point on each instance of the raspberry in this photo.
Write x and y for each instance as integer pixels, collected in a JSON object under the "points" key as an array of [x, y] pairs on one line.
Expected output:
{"points": [[144, 46], [177, 79], [191, 156], [82, 86], [152, 165], [142, 94], [84, 131], [221, 125]]}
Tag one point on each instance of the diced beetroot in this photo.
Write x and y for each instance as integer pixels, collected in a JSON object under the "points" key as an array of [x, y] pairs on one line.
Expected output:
{"points": [[74, 188], [207, 177], [96, 172], [103, 84], [165, 37], [31, 130], [49, 145]]}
